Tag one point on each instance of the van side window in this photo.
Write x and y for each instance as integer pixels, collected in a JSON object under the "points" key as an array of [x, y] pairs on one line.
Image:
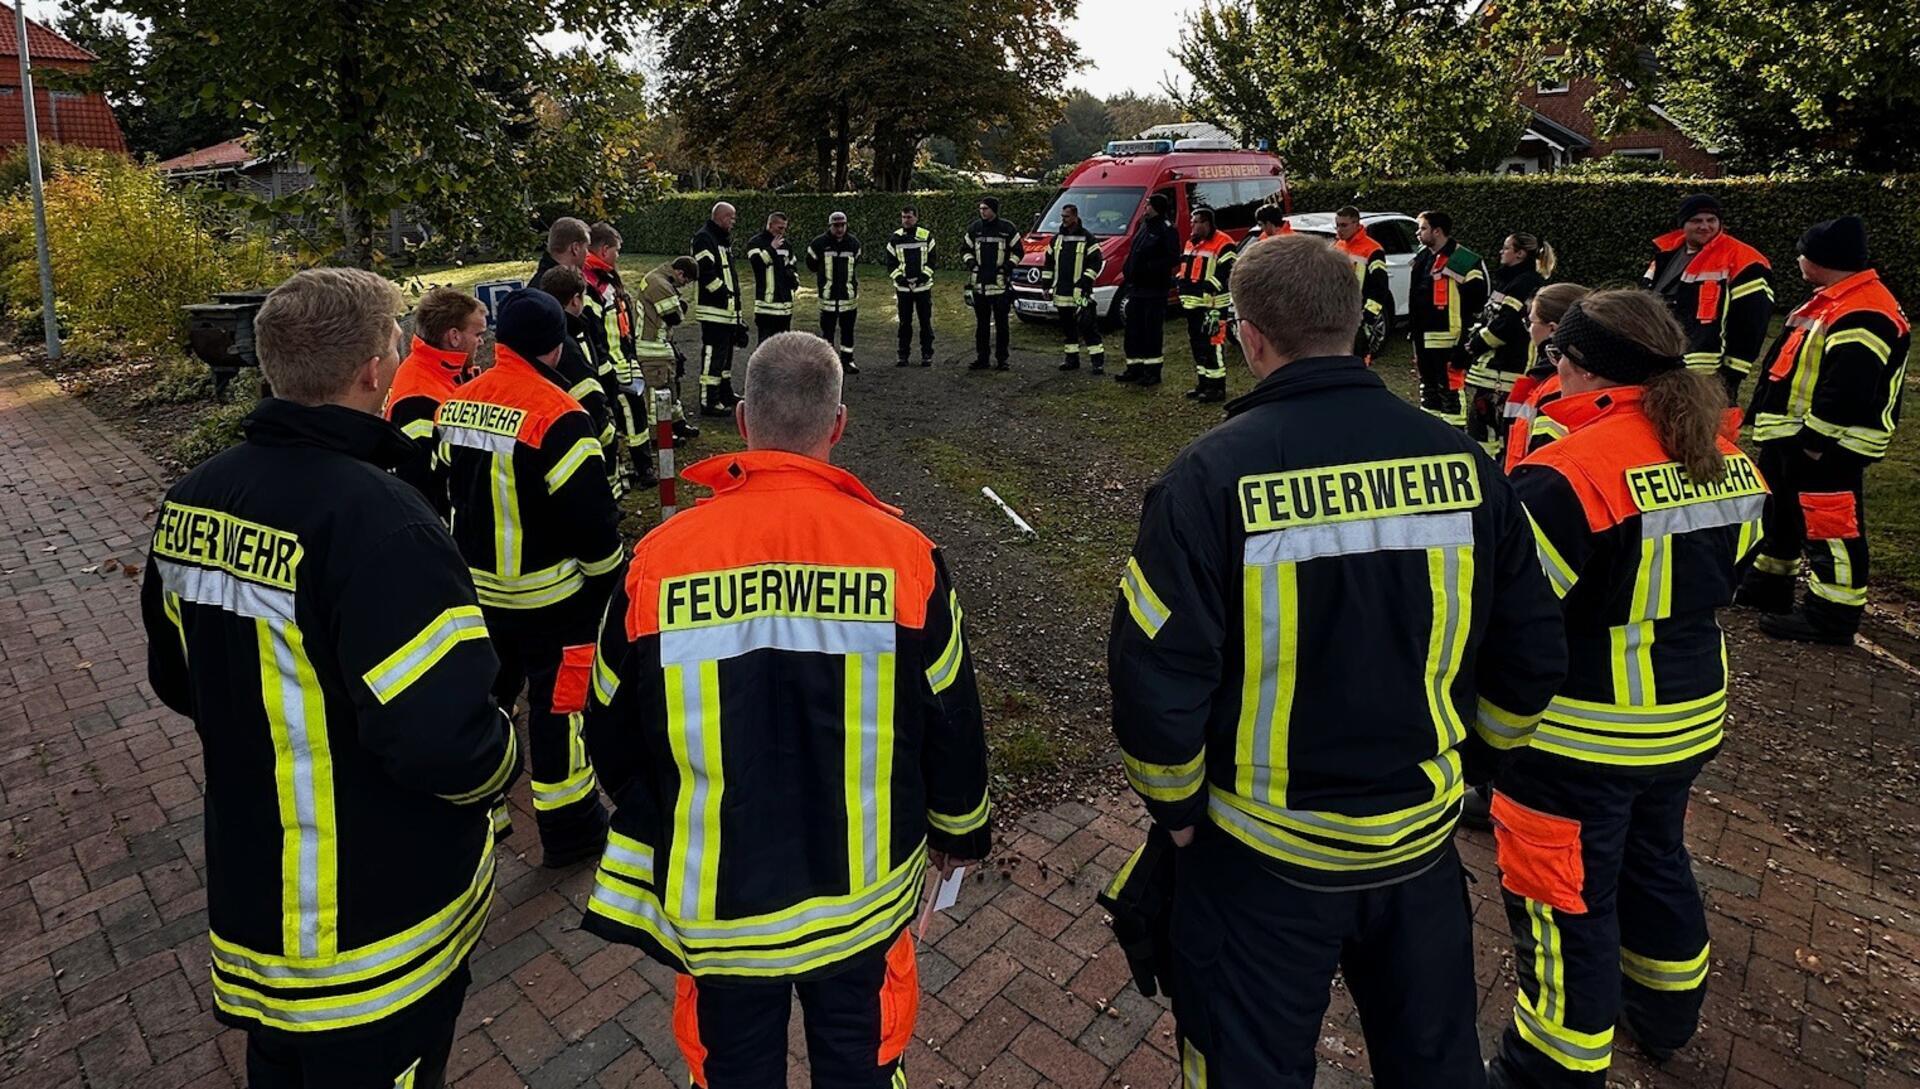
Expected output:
{"points": [[1228, 213]]}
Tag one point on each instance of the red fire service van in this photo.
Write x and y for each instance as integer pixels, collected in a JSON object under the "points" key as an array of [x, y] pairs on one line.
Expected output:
{"points": [[1111, 191]]}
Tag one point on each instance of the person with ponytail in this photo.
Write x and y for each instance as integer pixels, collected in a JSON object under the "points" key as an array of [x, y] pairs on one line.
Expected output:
{"points": [[1527, 428], [1642, 516], [1498, 350]]}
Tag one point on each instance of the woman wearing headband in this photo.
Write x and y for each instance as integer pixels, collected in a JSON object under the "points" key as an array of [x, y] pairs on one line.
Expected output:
{"points": [[1641, 513]]}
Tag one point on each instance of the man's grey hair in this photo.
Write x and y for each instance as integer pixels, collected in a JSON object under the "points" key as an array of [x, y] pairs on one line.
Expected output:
{"points": [[566, 233], [793, 392], [317, 330], [719, 205], [774, 216], [1300, 293]]}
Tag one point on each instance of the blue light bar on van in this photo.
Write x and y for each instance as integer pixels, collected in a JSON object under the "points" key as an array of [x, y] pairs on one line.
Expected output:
{"points": [[1118, 148]]}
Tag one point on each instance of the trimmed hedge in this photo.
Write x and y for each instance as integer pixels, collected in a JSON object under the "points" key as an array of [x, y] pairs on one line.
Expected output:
{"points": [[1599, 226]]}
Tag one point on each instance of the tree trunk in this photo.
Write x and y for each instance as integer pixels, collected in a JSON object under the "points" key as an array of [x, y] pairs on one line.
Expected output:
{"points": [[843, 150]]}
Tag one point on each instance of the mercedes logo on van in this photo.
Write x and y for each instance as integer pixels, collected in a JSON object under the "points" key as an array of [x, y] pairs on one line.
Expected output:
{"points": [[1033, 275]]}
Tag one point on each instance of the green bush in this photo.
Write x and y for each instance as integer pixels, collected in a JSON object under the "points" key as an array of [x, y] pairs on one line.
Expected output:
{"points": [[212, 433], [56, 161], [1600, 224], [128, 252]]}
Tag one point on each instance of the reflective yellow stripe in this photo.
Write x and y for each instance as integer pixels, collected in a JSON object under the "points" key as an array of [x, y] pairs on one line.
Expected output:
{"points": [[399, 670], [601, 566], [417, 429], [628, 857], [303, 784], [576, 456], [496, 782], [1450, 582], [506, 515], [1665, 975], [1580, 1051], [1119, 882], [1842, 590], [578, 784], [170, 603], [1374, 831], [868, 751], [946, 668], [693, 734], [605, 681], [1630, 736], [1560, 574], [1148, 610], [1193, 1066], [1165, 782], [1871, 442], [1270, 645], [1501, 728], [1769, 565], [1236, 817], [961, 825], [1741, 291]]}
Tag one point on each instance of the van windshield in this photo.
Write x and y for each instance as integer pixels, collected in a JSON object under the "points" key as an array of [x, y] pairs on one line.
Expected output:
{"points": [[1105, 212]]}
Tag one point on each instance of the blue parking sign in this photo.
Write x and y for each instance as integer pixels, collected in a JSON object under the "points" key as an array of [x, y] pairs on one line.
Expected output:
{"points": [[491, 292]]}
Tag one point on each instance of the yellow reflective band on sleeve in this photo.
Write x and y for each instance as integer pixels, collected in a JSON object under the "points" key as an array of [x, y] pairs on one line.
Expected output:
{"points": [[1703, 361], [509, 760], [605, 681], [1560, 574], [303, 784], [961, 825], [577, 455], [1166, 782], [399, 670], [1148, 610], [593, 568], [1270, 647], [1665, 975], [417, 429], [1871, 442], [1491, 339], [1751, 287], [946, 668], [667, 306], [579, 782], [1501, 728]]}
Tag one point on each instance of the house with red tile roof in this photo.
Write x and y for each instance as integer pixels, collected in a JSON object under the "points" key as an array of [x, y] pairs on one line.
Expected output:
{"points": [[66, 117]]}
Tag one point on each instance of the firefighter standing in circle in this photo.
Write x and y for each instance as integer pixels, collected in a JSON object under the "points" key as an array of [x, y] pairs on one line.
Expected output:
{"points": [[1071, 265], [785, 713], [448, 326], [832, 258], [1269, 222], [1314, 794], [537, 524], [1447, 284], [577, 376], [1529, 428], [1642, 515], [1717, 286], [1499, 350], [775, 278], [1151, 261], [909, 259], [1825, 408], [350, 742], [1206, 270], [716, 306], [993, 251], [1370, 267], [661, 309]]}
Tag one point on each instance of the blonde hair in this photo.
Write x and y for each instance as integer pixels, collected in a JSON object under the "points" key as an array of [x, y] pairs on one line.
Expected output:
{"points": [[1544, 259], [1550, 303], [320, 327], [1685, 407], [1300, 293]]}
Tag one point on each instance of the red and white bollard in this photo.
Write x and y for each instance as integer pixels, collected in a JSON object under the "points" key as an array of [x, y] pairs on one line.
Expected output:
{"points": [[663, 442]]}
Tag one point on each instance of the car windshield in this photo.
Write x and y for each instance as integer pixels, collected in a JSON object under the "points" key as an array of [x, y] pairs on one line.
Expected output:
{"points": [[1105, 212]]}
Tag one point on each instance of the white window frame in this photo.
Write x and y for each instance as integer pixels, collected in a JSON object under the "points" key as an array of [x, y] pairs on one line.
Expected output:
{"points": [[1555, 68], [1653, 153]]}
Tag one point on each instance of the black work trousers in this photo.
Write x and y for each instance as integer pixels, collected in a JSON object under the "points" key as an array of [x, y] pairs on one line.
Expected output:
{"points": [[408, 1050], [1440, 384], [990, 327], [858, 1023], [1817, 509], [1146, 329], [1605, 915], [836, 328], [1255, 956], [555, 666], [716, 364], [770, 325], [913, 303], [1080, 332]]}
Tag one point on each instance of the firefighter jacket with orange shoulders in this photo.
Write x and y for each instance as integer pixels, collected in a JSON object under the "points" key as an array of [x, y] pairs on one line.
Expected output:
{"points": [[1833, 380], [1721, 296], [1529, 427], [784, 713], [1370, 267], [609, 313], [1642, 557], [1445, 289], [1500, 348], [427, 377], [306, 610], [533, 512], [1332, 621], [1206, 268]]}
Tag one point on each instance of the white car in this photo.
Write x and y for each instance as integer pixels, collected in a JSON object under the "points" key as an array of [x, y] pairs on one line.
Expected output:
{"points": [[1395, 233]]}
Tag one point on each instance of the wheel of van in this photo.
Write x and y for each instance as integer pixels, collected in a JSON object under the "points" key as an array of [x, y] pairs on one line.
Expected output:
{"points": [[1116, 315]]}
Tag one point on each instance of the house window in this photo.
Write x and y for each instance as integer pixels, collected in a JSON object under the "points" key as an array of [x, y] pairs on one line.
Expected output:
{"points": [[68, 96], [1553, 77], [1652, 153]]}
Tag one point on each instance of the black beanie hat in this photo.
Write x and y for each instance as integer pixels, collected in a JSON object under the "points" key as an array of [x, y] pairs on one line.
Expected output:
{"points": [[1838, 244], [1599, 350], [992, 203], [1694, 205], [530, 323], [1160, 203]]}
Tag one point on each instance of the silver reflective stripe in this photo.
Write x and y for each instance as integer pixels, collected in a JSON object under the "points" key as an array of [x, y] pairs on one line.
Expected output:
{"points": [[473, 439], [1497, 728], [1709, 515], [869, 770], [1142, 598], [447, 632], [790, 633], [638, 864], [382, 959], [698, 853], [1439, 809], [806, 956], [1520, 410], [645, 907], [1451, 620], [1256, 829], [306, 830], [222, 590], [1639, 717], [1395, 533], [1565, 1047], [812, 918], [1690, 740], [1549, 998], [506, 513], [1269, 683]]}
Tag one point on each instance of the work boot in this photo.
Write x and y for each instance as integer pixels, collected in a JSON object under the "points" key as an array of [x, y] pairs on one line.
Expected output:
{"points": [[1767, 593], [711, 408], [1072, 363], [1213, 391], [1811, 623], [1476, 809], [684, 431], [1130, 375], [1149, 375], [1097, 366], [1001, 366], [978, 365], [1497, 1075], [847, 365], [901, 362], [926, 361], [644, 474]]}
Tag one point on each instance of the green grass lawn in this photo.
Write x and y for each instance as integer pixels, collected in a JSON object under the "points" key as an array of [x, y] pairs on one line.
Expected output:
{"points": [[1129, 426]]}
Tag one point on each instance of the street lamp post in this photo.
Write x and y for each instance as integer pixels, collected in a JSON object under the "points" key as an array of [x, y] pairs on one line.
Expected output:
{"points": [[39, 194]]}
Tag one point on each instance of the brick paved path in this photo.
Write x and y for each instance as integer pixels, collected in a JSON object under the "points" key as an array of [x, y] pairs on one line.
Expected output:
{"points": [[103, 962]]}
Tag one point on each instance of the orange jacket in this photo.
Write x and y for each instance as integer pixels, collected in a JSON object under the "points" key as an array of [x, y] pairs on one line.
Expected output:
{"points": [[784, 710], [1723, 299], [427, 377]]}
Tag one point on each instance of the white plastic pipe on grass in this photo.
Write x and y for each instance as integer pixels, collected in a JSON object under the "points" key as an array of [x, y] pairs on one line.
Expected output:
{"points": [[1011, 513]]}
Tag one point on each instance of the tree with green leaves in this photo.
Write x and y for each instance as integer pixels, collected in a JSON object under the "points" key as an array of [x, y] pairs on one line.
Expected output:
{"points": [[156, 103], [1353, 88], [390, 105]]}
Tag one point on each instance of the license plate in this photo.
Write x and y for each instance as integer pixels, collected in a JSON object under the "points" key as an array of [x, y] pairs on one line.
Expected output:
{"points": [[1033, 306]]}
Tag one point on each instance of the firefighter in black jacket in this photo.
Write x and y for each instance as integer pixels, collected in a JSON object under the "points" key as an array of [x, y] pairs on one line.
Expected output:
{"points": [[1448, 286], [576, 374], [1826, 408], [448, 325], [910, 266], [1072, 264], [993, 250], [308, 612], [1719, 289], [1148, 276], [1206, 271], [1499, 350], [716, 306], [832, 258], [775, 278], [1314, 792]]}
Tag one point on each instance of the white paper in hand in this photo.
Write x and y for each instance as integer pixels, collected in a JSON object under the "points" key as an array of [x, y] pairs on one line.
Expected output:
{"points": [[948, 894]]}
